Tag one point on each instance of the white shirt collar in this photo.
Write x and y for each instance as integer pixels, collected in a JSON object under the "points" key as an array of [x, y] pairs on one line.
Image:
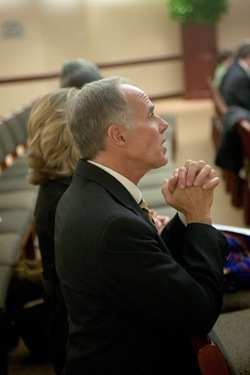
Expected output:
{"points": [[129, 185], [245, 67]]}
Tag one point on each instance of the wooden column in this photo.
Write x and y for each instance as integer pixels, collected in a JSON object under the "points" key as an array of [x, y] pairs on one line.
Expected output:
{"points": [[199, 52]]}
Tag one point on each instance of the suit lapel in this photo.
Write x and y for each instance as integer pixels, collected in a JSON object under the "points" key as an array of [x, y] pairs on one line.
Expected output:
{"points": [[111, 184]]}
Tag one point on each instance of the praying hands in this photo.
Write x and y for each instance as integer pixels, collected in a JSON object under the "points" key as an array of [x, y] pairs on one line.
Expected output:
{"points": [[190, 191], [194, 174]]}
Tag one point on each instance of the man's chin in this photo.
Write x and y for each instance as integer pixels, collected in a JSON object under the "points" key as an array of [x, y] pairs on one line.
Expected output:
{"points": [[163, 162], [165, 159]]}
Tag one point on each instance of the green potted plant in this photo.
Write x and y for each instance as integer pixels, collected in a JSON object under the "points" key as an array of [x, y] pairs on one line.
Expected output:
{"points": [[197, 11], [197, 19]]}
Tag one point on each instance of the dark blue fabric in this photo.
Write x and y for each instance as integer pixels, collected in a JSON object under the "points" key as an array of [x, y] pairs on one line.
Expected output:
{"points": [[237, 265]]}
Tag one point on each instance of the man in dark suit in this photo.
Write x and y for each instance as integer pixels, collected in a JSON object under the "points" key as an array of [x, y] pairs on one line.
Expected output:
{"points": [[133, 296], [229, 152], [235, 85]]}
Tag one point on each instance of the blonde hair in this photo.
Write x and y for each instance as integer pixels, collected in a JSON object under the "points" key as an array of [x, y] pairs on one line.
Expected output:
{"points": [[52, 152]]}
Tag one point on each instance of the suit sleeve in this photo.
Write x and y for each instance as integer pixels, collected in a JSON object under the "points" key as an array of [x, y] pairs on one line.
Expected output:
{"points": [[138, 271], [241, 93]]}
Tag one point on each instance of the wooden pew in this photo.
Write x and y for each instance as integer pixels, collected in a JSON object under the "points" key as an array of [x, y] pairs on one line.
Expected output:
{"points": [[17, 196], [210, 358], [220, 108], [243, 128], [17, 203], [234, 184]]}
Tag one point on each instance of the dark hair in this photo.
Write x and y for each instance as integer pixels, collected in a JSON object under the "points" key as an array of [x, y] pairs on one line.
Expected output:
{"points": [[224, 55], [244, 49], [76, 73]]}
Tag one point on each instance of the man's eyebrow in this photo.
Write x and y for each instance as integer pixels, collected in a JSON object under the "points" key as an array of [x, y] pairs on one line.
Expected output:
{"points": [[151, 108]]}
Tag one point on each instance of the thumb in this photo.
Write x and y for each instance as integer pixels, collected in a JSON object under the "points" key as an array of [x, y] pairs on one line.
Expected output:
{"points": [[165, 189]]}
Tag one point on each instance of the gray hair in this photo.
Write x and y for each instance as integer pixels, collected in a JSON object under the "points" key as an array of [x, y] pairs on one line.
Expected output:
{"points": [[93, 109]]}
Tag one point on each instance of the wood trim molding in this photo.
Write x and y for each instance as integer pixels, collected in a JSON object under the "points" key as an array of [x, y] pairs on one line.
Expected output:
{"points": [[54, 75]]}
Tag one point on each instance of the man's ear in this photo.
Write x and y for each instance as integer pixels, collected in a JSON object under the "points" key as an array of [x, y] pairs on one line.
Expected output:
{"points": [[116, 134]]}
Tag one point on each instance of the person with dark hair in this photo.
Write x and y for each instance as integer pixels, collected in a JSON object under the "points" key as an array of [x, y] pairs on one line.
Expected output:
{"points": [[78, 72], [235, 85], [134, 296]]}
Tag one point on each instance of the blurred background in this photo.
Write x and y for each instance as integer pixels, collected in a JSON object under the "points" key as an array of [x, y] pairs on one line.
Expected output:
{"points": [[132, 38]]}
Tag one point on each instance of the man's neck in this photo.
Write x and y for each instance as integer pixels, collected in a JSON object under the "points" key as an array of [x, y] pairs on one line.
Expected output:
{"points": [[128, 184], [122, 167]]}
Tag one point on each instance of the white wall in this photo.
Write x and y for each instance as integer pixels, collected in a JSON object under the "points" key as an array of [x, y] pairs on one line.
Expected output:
{"points": [[102, 31], [234, 26]]}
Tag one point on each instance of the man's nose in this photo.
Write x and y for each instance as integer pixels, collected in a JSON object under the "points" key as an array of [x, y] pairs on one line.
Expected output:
{"points": [[163, 125]]}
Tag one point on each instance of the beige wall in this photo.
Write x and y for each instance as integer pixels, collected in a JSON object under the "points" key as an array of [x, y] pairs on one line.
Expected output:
{"points": [[102, 31]]}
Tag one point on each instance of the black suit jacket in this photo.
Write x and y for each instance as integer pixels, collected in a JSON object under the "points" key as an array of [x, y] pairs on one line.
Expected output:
{"points": [[229, 153], [235, 87], [133, 297], [48, 197]]}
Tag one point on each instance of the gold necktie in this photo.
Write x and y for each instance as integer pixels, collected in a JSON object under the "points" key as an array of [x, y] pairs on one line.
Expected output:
{"points": [[146, 210]]}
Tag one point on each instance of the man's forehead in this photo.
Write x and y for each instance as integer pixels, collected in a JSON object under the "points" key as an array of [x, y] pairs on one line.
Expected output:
{"points": [[134, 92], [130, 88]]}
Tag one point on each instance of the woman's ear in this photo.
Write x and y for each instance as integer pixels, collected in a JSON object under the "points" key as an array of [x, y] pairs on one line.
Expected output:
{"points": [[116, 134]]}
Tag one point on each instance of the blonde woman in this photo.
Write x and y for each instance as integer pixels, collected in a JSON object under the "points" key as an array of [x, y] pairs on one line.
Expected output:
{"points": [[52, 159]]}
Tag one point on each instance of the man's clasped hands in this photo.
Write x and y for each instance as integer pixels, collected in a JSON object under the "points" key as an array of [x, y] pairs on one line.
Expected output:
{"points": [[189, 191]]}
